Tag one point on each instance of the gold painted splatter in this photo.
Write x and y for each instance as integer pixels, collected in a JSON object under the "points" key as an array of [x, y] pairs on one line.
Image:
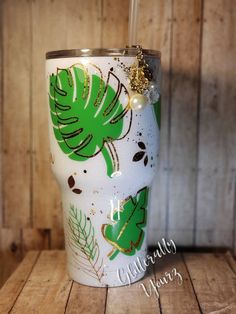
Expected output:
{"points": [[51, 159], [139, 73], [92, 211]]}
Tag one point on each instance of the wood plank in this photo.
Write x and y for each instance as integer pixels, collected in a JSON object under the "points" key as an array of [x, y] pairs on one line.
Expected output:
{"points": [[183, 130], [84, 24], [48, 286], [154, 31], [176, 296], [49, 33], [1, 139], [231, 261], [16, 112], [11, 255], [1, 116], [33, 239], [217, 142], [1, 263], [115, 18], [12, 288], [84, 299], [132, 299], [214, 282], [57, 240], [234, 223]]}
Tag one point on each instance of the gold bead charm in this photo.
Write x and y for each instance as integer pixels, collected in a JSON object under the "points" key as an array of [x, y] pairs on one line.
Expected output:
{"points": [[138, 102], [139, 74]]}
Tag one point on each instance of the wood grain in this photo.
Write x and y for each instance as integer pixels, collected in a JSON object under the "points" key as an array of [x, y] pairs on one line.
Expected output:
{"points": [[48, 286], [85, 299], [11, 252], [231, 261], [2, 262], [155, 31], [35, 238], [12, 288], [40, 285], [115, 18], [49, 33], [176, 296], [16, 113], [217, 139], [1, 115], [183, 128], [214, 282], [84, 24], [57, 240]]}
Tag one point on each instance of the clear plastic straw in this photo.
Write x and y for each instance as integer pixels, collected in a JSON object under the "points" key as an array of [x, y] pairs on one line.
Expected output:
{"points": [[133, 19]]}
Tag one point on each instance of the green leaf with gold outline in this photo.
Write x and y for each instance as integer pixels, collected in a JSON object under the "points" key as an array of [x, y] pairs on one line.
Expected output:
{"points": [[126, 234], [87, 113]]}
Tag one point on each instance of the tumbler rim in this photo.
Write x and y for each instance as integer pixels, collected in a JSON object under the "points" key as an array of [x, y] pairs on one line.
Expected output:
{"points": [[100, 52]]}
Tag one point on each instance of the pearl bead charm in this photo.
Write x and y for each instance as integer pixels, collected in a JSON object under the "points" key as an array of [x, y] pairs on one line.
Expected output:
{"points": [[138, 102], [152, 86]]}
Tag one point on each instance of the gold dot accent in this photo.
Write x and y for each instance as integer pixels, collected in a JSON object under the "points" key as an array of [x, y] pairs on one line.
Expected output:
{"points": [[92, 211], [51, 159]]}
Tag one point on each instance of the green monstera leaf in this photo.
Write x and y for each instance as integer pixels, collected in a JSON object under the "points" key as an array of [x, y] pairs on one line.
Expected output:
{"points": [[126, 234], [87, 114]]}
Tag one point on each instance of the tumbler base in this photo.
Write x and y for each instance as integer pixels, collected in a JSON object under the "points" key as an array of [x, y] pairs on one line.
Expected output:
{"points": [[112, 281]]}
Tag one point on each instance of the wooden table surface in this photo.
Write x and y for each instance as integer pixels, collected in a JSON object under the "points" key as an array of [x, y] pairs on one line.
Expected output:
{"points": [[40, 285]]}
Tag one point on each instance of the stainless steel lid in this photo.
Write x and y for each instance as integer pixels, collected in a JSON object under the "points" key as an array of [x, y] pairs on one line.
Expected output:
{"points": [[100, 52]]}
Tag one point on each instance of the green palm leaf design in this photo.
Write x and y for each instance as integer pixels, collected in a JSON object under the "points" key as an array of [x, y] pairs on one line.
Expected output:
{"points": [[82, 241], [87, 114], [126, 234]]}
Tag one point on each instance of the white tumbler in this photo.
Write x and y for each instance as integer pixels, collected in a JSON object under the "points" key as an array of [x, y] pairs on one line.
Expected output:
{"points": [[104, 119]]}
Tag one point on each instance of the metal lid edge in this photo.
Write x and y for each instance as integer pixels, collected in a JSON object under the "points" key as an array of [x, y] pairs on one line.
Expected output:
{"points": [[99, 52]]}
